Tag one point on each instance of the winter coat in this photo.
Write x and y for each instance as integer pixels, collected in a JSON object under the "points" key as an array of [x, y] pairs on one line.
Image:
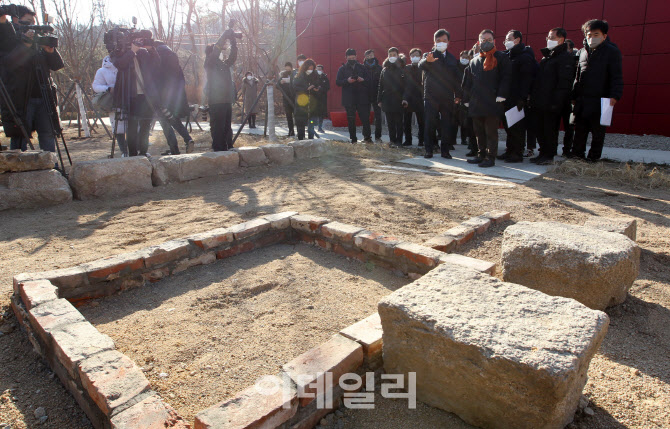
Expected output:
{"points": [[286, 89], [322, 94], [599, 75], [552, 85], [126, 89], [19, 75], [481, 88], [357, 93], [172, 83], [391, 87], [220, 86], [441, 82], [413, 88], [374, 71], [250, 93], [524, 68], [306, 101], [105, 77]]}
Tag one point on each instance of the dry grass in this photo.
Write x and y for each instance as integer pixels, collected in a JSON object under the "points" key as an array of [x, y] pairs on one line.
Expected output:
{"points": [[634, 175]]}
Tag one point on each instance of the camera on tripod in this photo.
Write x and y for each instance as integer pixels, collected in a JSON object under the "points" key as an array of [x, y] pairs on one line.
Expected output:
{"points": [[119, 39]]}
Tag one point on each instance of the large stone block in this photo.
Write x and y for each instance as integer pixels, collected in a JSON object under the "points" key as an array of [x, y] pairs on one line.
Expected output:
{"points": [[252, 157], [625, 226], [106, 178], [497, 354], [597, 268], [305, 149], [33, 189], [150, 413], [182, 168], [31, 160], [279, 154]]}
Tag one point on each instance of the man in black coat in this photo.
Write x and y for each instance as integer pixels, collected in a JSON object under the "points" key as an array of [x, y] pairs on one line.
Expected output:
{"points": [[285, 86], [174, 106], [221, 93], [355, 81], [390, 95], [568, 127], [599, 75], [374, 71], [322, 95], [523, 72], [413, 97], [20, 61], [486, 86], [551, 90], [440, 90]]}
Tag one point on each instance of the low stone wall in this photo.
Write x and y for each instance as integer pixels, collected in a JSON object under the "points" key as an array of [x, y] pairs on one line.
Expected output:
{"points": [[451, 239], [112, 390]]}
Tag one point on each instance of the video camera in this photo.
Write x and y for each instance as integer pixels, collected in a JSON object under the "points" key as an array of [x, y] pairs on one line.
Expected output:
{"points": [[10, 10], [119, 39], [231, 26]]}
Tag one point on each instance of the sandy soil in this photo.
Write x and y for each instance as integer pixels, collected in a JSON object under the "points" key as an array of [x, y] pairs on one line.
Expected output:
{"points": [[629, 383], [207, 333]]}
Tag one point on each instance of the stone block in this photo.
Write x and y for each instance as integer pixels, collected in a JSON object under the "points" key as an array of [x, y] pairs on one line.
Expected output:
{"points": [[252, 157], [63, 279], [375, 243], [50, 315], [442, 243], [496, 354], [485, 267], [268, 404], [33, 189], [250, 228], [170, 251], [308, 223], [211, 239], [182, 168], [279, 154], [235, 250], [280, 220], [150, 413], [498, 217], [36, 292], [15, 161], [461, 234], [337, 356], [78, 341], [625, 226], [106, 178], [417, 254], [204, 259], [367, 333], [480, 224], [595, 267], [113, 267], [306, 149], [341, 232]]}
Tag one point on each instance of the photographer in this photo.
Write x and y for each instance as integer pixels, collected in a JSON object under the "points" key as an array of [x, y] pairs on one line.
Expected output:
{"points": [[104, 82], [221, 90], [21, 59], [135, 91], [306, 87]]}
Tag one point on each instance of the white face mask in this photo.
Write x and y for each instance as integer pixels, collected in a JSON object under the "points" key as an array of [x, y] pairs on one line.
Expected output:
{"points": [[441, 46], [300, 63], [319, 72], [509, 44], [250, 77], [551, 44], [392, 60], [465, 61], [415, 59], [309, 71], [594, 41]]}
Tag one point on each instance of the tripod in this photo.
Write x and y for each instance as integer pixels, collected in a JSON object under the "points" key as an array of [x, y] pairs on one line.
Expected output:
{"points": [[7, 101]]}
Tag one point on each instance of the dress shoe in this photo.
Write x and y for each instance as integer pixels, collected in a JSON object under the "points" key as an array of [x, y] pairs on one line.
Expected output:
{"points": [[428, 155], [504, 156], [446, 155], [471, 153], [475, 161], [545, 161], [407, 144], [514, 159], [487, 163]]}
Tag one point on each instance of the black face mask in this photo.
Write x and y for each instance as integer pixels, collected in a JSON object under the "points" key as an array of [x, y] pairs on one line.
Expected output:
{"points": [[487, 46], [371, 62], [351, 62]]}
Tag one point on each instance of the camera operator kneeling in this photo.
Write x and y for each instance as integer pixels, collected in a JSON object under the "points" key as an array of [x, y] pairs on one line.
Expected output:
{"points": [[136, 91], [21, 60]]}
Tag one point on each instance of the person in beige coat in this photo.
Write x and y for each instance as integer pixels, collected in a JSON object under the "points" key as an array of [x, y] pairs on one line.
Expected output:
{"points": [[250, 92]]}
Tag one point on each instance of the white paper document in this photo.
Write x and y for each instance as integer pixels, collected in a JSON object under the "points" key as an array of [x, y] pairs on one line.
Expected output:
{"points": [[513, 116], [606, 112]]}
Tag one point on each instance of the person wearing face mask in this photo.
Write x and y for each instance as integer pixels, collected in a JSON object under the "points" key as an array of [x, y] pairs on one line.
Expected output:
{"points": [[354, 79], [250, 92], [551, 90], [599, 75], [374, 71], [568, 127], [301, 60], [486, 86], [285, 86], [413, 97], [322, 96], [306, 86], [440, 92], [462, 118], [522, 60], [390, 95]]}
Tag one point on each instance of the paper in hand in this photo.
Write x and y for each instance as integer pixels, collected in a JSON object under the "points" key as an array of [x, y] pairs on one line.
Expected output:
{"points": [[513, 116], [606, 111]]}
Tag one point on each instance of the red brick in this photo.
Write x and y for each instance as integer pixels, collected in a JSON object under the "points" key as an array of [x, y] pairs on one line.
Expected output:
{"points": [[250, 228], [156, 275], [280, 220], [340, 231], [442, 243], [417, 254], [111, 380], [349, 253], [211, 239], [114, 267], [235, 250], [36, 292], [75, 342], [204, 259], [338, 356], [167, 252], [498, 216], [480, 224], [65, 278], [378, 244], [20, 313], [461, 234], [253, 408], [367, 333], [49, 315], [323, 243], [305, 238], [465, 261], [270, 239], [307, 223], [150, 413]]}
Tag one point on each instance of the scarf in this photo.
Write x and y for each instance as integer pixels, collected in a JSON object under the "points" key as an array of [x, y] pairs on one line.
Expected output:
{"points": [[490, 62]]}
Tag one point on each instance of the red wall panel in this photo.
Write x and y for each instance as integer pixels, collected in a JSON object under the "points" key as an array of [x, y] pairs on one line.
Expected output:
{"points": [[652, 99], [304, 9], [452, 8], [630, 68], [339, 22], [378, 2], [402, 13], [628, 39], [379, 16], [338, 6], [477, 23], [649, 69], [321, 8], [621, 123], [424, 32], [320, 25], [401, 35], [304, 25], [476, 7], [623, 12], [650, 124], [511, 20], [512, 4], [455, 27], [359, 39], [358, 19], [358, 4], [575, 13], [339, 43], [658, 11], [543, 19], [625, 105], [535, 3], [426, 10], [655, 38], [379, 36], [321, 44]]}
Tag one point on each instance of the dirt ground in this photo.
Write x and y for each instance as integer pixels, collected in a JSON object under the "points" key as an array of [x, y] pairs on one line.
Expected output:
{"points": [[212, 331], [629, 379]]}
